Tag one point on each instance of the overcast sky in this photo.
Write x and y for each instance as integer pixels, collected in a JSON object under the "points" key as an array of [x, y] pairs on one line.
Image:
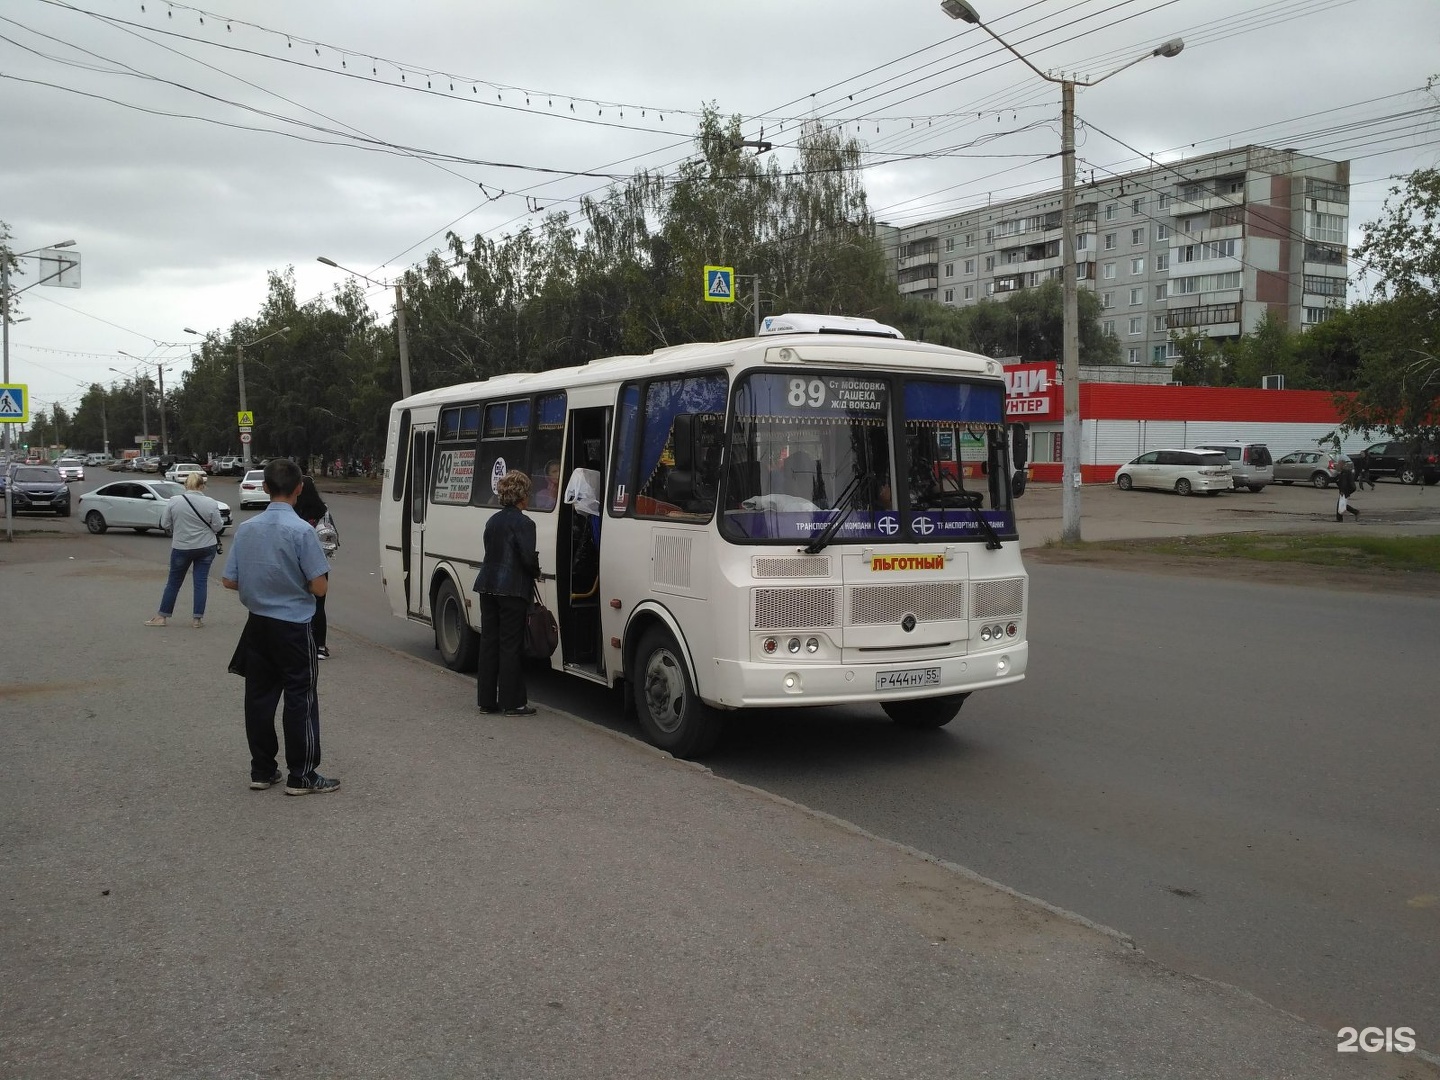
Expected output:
{"points": [[188, 151]]}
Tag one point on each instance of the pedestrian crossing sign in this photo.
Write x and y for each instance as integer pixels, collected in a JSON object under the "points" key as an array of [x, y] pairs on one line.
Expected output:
{"points": [[720, 284], [14, 403]]}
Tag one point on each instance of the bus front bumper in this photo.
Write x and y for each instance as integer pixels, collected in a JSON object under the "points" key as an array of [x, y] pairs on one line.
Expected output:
{"points": [[741, 684]]}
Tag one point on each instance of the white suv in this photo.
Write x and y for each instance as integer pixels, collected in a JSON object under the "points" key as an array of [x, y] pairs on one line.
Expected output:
{"points": [[71, 468], [1251, 465]]}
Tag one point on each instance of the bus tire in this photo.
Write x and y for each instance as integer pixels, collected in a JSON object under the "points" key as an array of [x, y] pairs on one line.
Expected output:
{"points": [[670, 712], [458, 644], [925, 713]]}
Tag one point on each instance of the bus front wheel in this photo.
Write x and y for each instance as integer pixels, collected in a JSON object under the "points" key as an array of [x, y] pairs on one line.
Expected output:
{"points": [[459, 645], [671, 714], [926, 712]]}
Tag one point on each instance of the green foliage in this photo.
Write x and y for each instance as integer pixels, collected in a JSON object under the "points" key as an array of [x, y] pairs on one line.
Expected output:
{"points": [[1403, 246], [1397, 376]]}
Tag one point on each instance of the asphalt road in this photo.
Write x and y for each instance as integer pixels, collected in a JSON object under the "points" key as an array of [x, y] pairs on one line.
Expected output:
{"points": [[1241, 777]]}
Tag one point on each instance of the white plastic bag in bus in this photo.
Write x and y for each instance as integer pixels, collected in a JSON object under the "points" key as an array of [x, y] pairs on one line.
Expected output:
{"points": [[584, 491]]}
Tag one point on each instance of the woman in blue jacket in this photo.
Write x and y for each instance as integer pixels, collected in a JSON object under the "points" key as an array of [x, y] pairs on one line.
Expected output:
{"points": [[505, 583]]}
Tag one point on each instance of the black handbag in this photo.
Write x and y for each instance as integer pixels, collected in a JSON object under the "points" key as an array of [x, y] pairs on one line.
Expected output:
{"points": [[542, 633]]}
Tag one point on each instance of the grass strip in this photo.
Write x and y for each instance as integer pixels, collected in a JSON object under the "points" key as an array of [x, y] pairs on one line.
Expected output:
{"points": [[1415, 554]]}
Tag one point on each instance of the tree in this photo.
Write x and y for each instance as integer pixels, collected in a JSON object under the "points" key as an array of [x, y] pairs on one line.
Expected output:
{"points": [[1403, 246], [1198, 361], [1398, 378]]}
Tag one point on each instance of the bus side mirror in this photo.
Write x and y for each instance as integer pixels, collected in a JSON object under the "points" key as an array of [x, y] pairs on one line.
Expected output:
{"points": [[683, 441], [1017, 483]]}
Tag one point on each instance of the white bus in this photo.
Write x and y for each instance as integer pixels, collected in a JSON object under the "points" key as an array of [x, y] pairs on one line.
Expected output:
{"points": [[819, 515]]}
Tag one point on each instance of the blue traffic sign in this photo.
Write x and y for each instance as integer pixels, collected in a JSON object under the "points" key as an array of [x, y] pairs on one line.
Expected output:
{"points": [[720, 284], [14, 403]]}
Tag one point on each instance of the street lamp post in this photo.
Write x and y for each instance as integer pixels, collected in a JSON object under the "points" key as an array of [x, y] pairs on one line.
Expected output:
{"points": [[240, 347], [1070, 337], [402, 340], [160, 370]]}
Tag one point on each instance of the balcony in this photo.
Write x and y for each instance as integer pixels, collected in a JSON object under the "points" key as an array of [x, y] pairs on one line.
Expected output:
{"points": [[928, 258], [918, 285]]}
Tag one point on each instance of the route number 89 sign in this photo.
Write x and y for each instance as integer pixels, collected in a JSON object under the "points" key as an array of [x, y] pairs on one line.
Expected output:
{"points": [[836, 394]]}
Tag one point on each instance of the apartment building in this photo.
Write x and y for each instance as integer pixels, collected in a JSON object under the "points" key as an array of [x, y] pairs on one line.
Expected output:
{"points": [[1209, 243]]}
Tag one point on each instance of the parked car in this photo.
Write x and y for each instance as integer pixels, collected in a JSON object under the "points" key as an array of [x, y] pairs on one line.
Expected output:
{"points": [[132, 504], [1180, 471], [38, 488], [252, 490], [178, 472], [71, 468], [147, 464], [1314, 467], [1409, 462], [1251, 465], [99, 461]]}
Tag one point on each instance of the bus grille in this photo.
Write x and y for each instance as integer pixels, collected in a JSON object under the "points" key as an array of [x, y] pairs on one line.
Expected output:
{"points": [[996, 598], [794, 609], [933, 601], [767, 566]]}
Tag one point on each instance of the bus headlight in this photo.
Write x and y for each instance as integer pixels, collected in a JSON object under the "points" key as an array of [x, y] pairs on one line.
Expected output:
{"points": [[793, 645], [812, 645]]}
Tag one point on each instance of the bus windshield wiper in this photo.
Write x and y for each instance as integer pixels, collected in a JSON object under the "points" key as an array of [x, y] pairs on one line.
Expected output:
{"points": [[843, 506]]}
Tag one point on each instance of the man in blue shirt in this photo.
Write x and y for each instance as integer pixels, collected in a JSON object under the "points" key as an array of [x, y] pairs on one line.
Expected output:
{"points": [[278, 567]]}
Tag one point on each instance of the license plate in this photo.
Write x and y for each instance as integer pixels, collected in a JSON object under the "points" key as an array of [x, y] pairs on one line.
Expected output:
{"points": [[910, 677]]}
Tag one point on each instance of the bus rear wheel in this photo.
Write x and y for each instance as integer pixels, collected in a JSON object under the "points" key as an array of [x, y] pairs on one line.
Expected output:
{"points": [[459, 645], [925, 712], [671, 714]]}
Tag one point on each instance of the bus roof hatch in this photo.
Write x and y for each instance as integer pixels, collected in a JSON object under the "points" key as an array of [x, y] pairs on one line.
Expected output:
{"points": [[826, 324]]}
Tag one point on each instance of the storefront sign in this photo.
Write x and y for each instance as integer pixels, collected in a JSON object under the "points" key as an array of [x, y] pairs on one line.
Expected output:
{"points": [[1032, 392]]}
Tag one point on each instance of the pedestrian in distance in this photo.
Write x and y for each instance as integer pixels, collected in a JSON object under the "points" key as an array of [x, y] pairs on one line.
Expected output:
{"points": [[1345, 484], [1363, 475], [505, 584], [277, 566], [194, 522], [311, 507]]}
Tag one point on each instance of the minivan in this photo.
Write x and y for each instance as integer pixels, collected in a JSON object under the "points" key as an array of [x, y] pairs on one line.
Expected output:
{"points": [[1181, 471], [1251, 465]]}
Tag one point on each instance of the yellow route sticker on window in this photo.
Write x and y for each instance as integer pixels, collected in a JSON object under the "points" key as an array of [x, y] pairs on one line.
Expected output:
{"points": [[907, 562]]}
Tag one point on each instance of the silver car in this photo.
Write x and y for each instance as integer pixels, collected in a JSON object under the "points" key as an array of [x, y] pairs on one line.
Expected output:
{"points": [[1314, 467]]}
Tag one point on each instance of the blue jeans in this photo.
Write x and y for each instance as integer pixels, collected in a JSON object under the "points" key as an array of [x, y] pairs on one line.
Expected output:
{"points": [[181, 559]]}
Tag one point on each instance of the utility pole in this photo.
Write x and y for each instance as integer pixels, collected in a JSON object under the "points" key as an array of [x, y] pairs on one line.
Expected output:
{"points": [[1070, 325], [404, 341], [240, 368], [164, 440], [1070, 312]]}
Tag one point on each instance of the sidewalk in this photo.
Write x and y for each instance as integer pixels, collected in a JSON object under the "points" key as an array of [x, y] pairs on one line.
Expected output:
{"points": [[494, 897]]}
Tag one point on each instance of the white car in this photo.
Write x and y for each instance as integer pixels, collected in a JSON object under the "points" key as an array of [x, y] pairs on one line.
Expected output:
{"points": [[1181, 471], [71, 468], [252, 490], [132, 504], [180, 470]]}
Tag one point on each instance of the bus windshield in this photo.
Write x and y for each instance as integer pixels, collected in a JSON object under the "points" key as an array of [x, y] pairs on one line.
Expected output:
{"points": [[807, 450]]}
